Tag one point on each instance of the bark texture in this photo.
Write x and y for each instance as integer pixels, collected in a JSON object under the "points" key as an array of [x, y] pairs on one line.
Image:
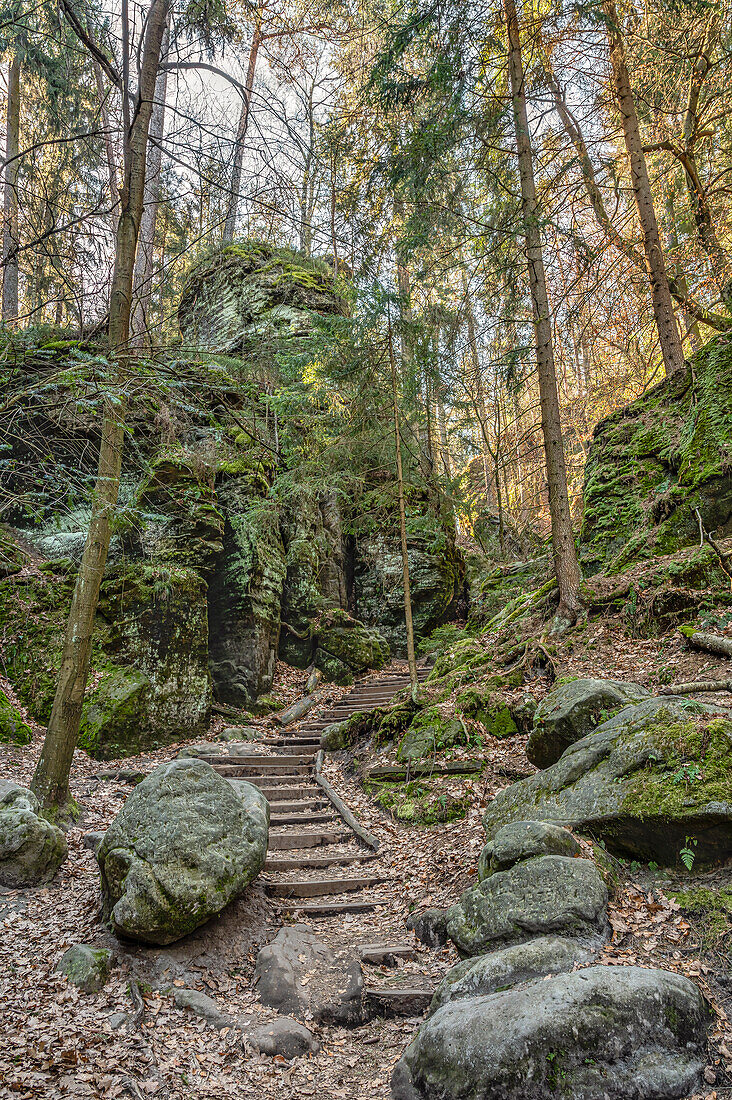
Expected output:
{"points": [[10, 196]]}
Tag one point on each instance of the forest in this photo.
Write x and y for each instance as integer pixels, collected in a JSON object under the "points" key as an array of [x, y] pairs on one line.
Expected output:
{"points": [[366, 549]]}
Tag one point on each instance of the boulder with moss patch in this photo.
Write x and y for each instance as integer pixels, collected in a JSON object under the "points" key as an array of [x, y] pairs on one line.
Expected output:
{"points": [[573, 709], [656, 774], [488, 709], [430, 733], [345, 647], [86, 967], [184, 844]]}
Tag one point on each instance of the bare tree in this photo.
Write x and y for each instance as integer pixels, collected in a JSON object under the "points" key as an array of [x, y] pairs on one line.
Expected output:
{"points": [[10, 196]]}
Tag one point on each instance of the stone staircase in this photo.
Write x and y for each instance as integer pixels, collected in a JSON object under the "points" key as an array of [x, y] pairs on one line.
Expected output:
{"points": [[318, 864]]}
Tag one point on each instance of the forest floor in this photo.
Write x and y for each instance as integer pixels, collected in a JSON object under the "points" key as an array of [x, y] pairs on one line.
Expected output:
{"points": [[60, 1042]]}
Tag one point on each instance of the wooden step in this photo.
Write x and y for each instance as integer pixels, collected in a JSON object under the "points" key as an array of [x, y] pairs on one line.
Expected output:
{"points": [[302, 819], [385, 954], [262, 771], [282, 794], [330, 909], [296, 749], [291, 841], [296, 780], [301, 805], [316, 863], [317, 888], [390, 1001], [288, 760]]}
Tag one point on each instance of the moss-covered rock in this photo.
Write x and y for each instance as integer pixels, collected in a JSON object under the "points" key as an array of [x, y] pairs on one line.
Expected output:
{"points": [[86, 967], [13, 729], [178, 520], [345, 646], [245, 595], [31, 848], [420, 803], [489, 710], [654, 461], [248, 291], [430, 732], [649, 781]]}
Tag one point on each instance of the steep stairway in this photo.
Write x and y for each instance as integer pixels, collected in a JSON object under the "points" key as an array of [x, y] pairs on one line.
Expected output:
{"points": [[321, 863]]}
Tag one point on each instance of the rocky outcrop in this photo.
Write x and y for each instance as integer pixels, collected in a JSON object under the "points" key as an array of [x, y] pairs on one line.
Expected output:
{"points": [[184, 844], [436, 576], [655, 460], [300, 974], [31, 848], [344, 647], [645, 780], [572, 710], [523, 840], [250, 292], [610, 1032]]}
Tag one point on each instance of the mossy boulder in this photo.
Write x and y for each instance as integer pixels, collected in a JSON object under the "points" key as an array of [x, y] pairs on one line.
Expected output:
{"points": [[248, 291], [112, 722], [13, 730], [573, 709], [346, 647], [649, 781], [656, 460], [524, 840], [183, 845], [430, 732], [540, 896], [31, 848], [600, 1032]]}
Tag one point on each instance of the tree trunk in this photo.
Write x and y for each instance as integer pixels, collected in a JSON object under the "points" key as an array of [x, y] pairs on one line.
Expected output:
{"points": [[232, 204], [663, 309], [566, 566], [144, 264], [403, 529], [51, 779], [10, 198]]}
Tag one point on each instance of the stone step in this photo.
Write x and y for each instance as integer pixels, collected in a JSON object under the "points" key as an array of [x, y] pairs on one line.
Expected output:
{"points": [[317, 863], [293, 840], [302, 819], [392, 1001], [317, 888], [385, 954], [331, 909]]}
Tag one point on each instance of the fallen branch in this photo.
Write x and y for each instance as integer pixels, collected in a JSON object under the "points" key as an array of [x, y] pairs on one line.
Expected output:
{"points": [[724, 559], [710, 643], [696, 685]]}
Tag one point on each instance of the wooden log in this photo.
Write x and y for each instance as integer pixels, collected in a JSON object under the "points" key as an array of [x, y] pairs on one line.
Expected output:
{"points": [[692, 686], [710, 643], [457, 767], [298, 710]]}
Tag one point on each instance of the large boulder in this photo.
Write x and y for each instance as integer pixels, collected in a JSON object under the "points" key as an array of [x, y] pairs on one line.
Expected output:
{"points": [[346, 647], [184, 844], [430, 733], [600, 1033], [31, 848], [655, 774], [572, 710], [523, 962], [541, 896], [300, 974]]}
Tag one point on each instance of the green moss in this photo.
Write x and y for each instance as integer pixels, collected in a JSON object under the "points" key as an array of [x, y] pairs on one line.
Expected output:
{"points": [[489, 711], [13, 729], [694, 766], [111, 724], [711, 911], [419, 803]]}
